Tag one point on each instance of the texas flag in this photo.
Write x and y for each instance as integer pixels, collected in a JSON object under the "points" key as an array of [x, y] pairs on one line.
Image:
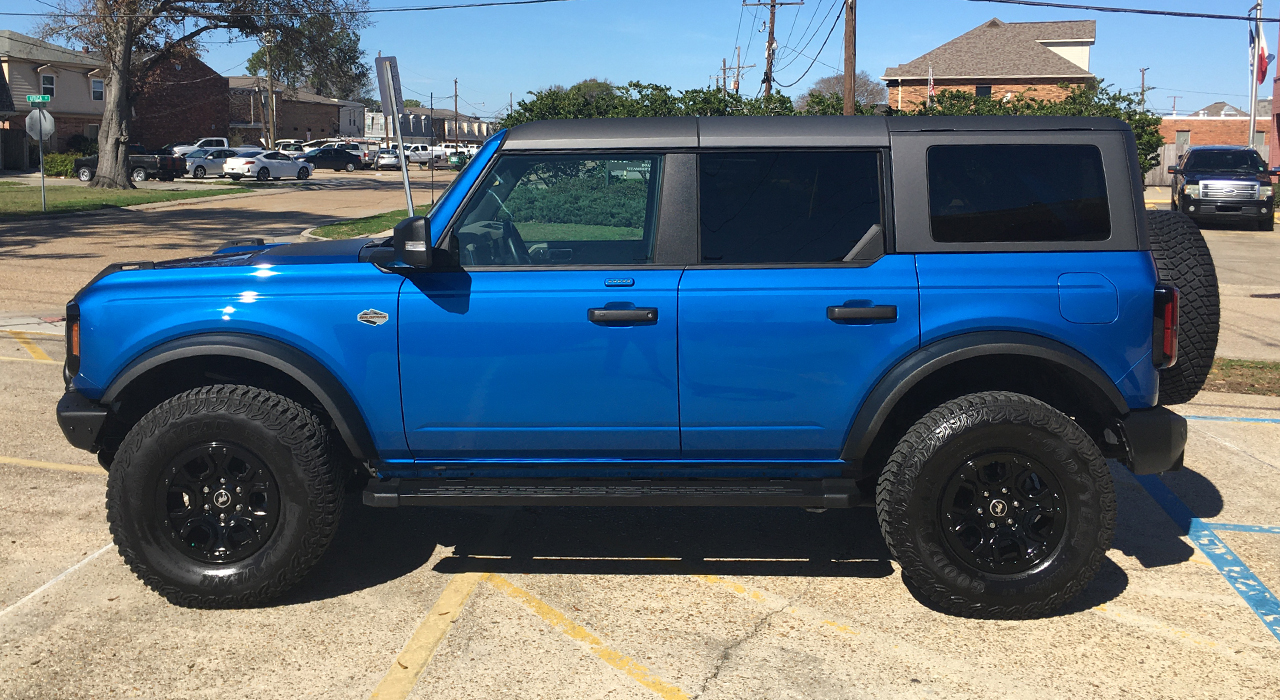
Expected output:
{"points": [[1265, 59]]}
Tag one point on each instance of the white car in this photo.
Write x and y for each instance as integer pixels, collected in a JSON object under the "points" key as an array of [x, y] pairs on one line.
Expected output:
{"points": [[423, 154], [206, 144], [387, 158], [291, 148], [265, 165], [204, 162]]}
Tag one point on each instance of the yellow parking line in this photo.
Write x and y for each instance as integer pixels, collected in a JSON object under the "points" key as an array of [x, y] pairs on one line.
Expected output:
{"points": [[52, 465], [27, 359], [777, 602], [413, 660], [36, 353], [577, 632]]}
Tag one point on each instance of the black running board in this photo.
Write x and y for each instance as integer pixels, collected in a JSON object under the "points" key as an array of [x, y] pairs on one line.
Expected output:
{"points": [[805, 493]]}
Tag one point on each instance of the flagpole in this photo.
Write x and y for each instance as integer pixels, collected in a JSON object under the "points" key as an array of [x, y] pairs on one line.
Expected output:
{"points": [[1253, 73]]}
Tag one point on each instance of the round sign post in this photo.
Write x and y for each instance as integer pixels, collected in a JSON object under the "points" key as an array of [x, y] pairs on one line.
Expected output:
{"points": [[39, 123]]}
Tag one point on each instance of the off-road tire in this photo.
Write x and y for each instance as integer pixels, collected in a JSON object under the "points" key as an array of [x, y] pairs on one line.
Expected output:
{"points": [[287, 438], [909, 504], [1183, 260]]}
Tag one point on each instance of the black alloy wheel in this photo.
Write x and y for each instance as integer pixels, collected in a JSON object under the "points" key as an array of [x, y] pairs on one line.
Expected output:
{"points": [[263, 175], [219, 501], [303, 173], [1003, 513]]}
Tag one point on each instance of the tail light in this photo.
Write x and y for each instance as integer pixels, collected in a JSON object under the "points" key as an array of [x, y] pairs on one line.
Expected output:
{"points": [[73, 338], [1164, 327]]}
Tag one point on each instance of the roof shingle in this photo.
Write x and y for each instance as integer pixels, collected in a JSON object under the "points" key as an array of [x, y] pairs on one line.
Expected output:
{"points": [[997, 49]]}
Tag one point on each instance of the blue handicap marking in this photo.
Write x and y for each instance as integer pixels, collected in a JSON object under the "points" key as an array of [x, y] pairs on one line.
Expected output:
{"points": [[1233, 527], [1234, 419], [1228, 563]]}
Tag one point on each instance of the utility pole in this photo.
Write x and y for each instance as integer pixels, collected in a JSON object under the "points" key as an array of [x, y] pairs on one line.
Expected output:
{"points": [[271, 98], [456, 137], [771, 48], [850, 55], [1175, 103], [724, 77], [737, 69], [1143, 90], [1253, 70]]}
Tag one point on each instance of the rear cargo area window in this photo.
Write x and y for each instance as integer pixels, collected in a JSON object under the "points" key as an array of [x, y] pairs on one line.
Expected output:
{"points": [[1017, 194], [786, 206]]}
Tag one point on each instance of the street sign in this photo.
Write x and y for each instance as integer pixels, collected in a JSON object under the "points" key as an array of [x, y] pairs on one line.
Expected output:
{"points": [[37, 98], [39, 124]]}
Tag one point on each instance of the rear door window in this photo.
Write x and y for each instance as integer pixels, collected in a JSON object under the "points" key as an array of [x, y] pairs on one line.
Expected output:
{"points": [[789, 207], [995, 193], [595, 209]]}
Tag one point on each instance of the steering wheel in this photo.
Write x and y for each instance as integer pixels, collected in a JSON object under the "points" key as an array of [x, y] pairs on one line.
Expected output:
{"points": [[513, 244]]}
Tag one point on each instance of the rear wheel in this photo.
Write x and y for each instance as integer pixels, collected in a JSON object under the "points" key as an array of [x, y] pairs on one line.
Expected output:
{"points": [[351, 167], [223, 496], [1183, 260], [997, 505], [264, 175], [84, 174], [138, 175], [303, 173]]}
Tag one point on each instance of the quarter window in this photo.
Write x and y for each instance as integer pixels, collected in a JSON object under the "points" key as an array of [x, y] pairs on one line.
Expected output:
{"points": [[1017, 193], [97, 90], [786, 206], [562, 210], [47, 85]]}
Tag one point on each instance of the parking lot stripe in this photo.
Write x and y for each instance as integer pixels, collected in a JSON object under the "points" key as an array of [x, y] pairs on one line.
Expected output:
{"points": [[1234, 419], [776, 602], [79, 469], [28, 359], [56, 579], [30, 347], [413, 659], [573, 630], [1258, 597]]}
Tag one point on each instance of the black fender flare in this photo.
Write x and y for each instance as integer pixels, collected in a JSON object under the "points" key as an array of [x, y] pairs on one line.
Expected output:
{"points": [[929, 359], [300, 366]]}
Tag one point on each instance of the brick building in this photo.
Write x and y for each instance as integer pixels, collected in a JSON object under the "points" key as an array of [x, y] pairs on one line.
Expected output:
{"points": [[1219, 124], [181, 100], [999, 59], [299, 114]]}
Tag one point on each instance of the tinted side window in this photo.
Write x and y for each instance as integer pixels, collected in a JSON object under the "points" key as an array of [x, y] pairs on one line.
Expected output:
{"points": [[1017, 193], [786, 206], [562, 210]]}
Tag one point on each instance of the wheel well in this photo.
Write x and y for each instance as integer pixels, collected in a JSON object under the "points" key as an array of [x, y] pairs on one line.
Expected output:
{"points": [[160, 383], [1051, 382]]}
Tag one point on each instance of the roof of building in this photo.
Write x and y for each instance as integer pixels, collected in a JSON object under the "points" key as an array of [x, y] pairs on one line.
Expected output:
{"points": [[254, 82], [15, 45], [997, 49], [1224, 109], [442, 113], [766, 132]]}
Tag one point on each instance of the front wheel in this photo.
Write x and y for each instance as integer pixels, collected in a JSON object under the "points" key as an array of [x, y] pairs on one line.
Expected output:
{"points": [[264, 175], [997, 505], [223, 496], [138, 175], [198, 172], [84, 174]]}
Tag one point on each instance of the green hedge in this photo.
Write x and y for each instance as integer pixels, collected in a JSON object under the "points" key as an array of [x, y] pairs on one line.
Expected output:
{"points": [[60, 164]]}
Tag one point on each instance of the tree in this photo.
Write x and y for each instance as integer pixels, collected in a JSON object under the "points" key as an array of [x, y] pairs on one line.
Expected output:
{"points": [[320, 56], [596, 98], [410, 102], [866, 91], [134, 37]]}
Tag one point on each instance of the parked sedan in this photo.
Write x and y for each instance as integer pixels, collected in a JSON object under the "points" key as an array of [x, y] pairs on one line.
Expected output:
{"points": [[203, 162], [335, 158], [387, 158], [265, 165]]}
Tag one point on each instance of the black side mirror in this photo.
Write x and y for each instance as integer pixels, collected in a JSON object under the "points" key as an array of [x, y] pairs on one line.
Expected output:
{"points": [[1175, 170], [412, 240]]}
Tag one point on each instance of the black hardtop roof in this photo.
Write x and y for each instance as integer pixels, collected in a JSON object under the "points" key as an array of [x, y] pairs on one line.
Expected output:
{"points": [[748, 132]]}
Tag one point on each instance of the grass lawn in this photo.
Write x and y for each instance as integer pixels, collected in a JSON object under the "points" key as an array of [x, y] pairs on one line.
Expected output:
{"points": [[1244, 377], [24, 200], [363, 227]]}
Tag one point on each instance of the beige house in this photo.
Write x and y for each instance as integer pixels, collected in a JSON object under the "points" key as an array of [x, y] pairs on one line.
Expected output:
{"points": [[72, 79]]}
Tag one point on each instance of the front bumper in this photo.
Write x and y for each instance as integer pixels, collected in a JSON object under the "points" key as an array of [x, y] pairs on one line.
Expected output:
{"points": [[1254, 209], [81, 420], [1155, 440]]}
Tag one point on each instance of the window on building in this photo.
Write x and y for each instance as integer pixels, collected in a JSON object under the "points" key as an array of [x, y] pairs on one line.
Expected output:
{"points": [[47, 85], [786, 206], [1259, 139], [982, 91], [1182, 138], [1022, 193], [91, 131], [97, 90]]}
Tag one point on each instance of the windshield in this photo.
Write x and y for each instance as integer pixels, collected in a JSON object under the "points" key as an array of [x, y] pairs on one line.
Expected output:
{"points": [[312, 152], [198, 153], [386, 152], [1225, 161], [250, 154]]}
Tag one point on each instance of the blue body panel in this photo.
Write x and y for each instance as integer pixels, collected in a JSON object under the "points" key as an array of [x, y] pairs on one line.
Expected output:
{"points": [[765, 374], [968, 292], [506, 364], [449, 202], [310, 307]]}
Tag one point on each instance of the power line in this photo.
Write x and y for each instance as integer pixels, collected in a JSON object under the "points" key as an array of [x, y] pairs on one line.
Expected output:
{"points": [[817, 31], [820, 48], [1130, 10], [371, 11]]}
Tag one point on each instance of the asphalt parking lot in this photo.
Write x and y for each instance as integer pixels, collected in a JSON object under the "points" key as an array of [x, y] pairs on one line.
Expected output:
{"points": [[619, 603]]}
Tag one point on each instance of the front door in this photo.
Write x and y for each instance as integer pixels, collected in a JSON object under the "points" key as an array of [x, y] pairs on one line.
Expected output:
{"points": [[557, 338], [794, 311]]}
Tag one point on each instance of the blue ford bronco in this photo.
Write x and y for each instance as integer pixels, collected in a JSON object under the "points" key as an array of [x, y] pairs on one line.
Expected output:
{"points": [[957, 321]]}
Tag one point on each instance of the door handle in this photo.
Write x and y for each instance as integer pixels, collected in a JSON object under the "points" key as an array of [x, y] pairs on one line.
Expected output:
{"points": [[863, 314], [638, 315]]}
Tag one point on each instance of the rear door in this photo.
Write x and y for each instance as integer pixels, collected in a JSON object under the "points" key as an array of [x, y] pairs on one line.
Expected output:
{"points": [[557, 338], [784, 326]]}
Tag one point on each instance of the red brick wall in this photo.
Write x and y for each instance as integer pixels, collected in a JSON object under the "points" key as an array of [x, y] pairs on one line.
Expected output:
{"points": [[182, 100], [915, 92], [1230, 131]]}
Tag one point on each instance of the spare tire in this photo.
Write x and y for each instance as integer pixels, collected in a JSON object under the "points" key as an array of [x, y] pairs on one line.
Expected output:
{"points": [[1183, 260]]}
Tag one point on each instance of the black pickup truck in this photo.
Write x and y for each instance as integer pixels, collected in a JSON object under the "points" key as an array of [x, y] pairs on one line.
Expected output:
{"points": [[142, 166]]}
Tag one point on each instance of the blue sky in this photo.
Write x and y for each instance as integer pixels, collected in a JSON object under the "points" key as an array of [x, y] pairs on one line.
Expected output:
{"points": [[494, 52]]}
